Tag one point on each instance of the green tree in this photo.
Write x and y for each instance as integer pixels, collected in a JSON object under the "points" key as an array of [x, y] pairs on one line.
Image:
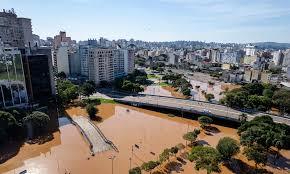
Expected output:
{"points": [[228, 147], [66, 91], [209, 97], [186, 91], [191, 136], [174, 150], [268, 93], [281, 99], [91, 110], [204, 121], [148, 166], [87, 89], [256, 153], [61, 75], [38, 121], [206, 158], [7, 122], [135, 170], [164, 155]]}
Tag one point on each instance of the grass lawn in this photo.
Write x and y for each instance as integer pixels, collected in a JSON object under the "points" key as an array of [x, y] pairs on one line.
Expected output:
{"points": [[101, 100], [152, 76], [163, 84], [107, 100]]}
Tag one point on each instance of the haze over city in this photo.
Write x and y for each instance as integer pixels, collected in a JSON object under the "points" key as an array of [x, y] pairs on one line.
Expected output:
{"points": [[237, 21]]}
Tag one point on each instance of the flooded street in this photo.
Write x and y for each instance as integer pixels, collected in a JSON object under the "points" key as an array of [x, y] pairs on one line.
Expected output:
{"points": [[139, 134]]}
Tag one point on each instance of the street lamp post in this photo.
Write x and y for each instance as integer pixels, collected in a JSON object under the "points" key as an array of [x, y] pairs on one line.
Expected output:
{"points": [[112, 158]]}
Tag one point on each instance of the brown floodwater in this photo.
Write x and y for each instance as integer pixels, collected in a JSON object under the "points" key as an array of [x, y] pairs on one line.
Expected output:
{"points": [[126, 127]]}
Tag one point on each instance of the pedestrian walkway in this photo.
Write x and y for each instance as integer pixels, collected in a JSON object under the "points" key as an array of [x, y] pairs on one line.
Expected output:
{"points": [[93, 134]]}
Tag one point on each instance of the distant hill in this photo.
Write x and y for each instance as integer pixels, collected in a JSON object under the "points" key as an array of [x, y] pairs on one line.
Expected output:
{"points": [[272, 45]]}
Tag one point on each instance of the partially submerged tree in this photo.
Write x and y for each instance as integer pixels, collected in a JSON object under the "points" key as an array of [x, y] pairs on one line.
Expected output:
{"points": [[37, 121], [91, 110], [164, 156], [228, 147], [135, 170], [205, 157], [257, 153], [204, 121], [191, 136], [148, 166]]}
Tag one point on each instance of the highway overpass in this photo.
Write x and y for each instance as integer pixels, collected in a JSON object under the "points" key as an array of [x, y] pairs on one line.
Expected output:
{"points": [[192, 106]]}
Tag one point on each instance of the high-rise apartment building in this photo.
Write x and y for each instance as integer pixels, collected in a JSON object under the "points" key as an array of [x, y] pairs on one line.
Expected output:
{"points": [[12, 81], [61, 60], [250, 50], [278, 58], [74, 63], [17, 32], [101, 65], [84, 58], [286, 60]]}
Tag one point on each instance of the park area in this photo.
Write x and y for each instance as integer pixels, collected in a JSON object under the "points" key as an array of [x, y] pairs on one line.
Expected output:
{"points": [[140, 135]]}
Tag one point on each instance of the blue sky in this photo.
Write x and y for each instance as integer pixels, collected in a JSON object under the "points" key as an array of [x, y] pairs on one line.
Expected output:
{"points": [[159, 20]]}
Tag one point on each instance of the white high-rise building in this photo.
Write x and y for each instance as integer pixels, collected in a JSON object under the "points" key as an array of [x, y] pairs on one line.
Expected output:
{"points": [[101, 65], [61, 62], [250, 50], [215, 56], [278, 58], [286, 61], [84, 58]]}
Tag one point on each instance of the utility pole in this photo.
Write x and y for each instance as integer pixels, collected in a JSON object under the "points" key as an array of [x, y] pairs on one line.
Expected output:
{"points": [[112, 158]]}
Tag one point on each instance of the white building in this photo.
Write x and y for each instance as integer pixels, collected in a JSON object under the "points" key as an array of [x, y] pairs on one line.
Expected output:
{"points": [[172, 58], [250, 50], [288, 73], [215, 56], [61, 61], [278, 58], [230, 57], [101, 65], [286, 61]]}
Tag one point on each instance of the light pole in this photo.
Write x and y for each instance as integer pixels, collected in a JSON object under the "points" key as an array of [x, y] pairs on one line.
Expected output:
{"points": [[112, 158]]}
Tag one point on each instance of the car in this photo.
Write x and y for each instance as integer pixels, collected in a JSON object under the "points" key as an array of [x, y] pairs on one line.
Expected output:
{"points": [[206, 111]]}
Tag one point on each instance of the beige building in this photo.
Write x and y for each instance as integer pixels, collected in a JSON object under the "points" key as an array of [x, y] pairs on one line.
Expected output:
{"points": [[248, 60], [101, 65], [16, 32]]}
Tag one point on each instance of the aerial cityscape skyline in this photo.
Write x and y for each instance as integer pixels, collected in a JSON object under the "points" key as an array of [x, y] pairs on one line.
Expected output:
{"points": [[210, 21], [141, 87]]}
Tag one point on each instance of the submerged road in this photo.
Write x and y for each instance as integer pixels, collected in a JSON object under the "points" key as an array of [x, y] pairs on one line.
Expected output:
{"points": [[97, 140], [193, 106]]}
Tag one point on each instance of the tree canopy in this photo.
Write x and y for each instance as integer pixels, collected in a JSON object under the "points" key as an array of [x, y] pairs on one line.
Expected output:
{"points": [[205, 157], [256, 153], [91, 110], [253, 96], [7, 121], [66, 91], [228, 147], [204, 121], [135, 170], [191, 136], [88, 88], [265, 132]]}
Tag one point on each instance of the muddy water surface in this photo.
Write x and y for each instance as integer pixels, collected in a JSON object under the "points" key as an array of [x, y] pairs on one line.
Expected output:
{"points": [[139, 135]]}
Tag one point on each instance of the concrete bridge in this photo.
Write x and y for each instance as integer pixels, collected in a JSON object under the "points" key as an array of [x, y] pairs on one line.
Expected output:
{"points": [[193, 106]]}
